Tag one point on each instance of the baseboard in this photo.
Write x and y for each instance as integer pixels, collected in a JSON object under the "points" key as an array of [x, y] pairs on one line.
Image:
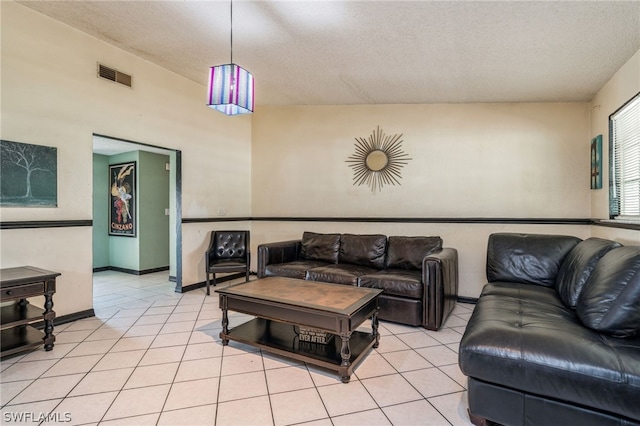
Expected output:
{"points": [[131, 271], [219, 280], [464, 299], [63, 319], [173, 278]]}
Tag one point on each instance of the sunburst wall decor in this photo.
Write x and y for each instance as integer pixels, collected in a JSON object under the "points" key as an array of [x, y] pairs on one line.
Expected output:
{"points": [[378, 160]]}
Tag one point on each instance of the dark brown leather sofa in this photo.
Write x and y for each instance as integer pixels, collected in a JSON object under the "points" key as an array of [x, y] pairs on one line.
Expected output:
{"points": [[555, 336], [418, 276]]}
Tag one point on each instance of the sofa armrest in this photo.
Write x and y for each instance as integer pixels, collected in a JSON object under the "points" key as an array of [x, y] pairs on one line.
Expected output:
{"points": [[440, 280], [278, 252]]}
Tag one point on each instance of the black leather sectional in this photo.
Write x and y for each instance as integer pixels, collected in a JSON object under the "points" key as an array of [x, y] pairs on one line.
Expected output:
{"points": [[555, 336], [419, 277]]}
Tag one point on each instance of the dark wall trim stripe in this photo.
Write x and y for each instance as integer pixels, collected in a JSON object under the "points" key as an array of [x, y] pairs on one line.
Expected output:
{"points": [[45, 224], [635, 227], [467, 220], [471, 220], [216, 219]]}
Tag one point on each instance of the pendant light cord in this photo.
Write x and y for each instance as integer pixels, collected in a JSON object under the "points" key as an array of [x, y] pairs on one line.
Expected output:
{"points": [[231, 28]]}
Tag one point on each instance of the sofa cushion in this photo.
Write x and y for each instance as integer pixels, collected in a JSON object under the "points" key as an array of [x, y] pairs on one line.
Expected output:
{"points": [[296, 269], [365, 250], [398, 282], [408, 252], [342, 273], [322, 247], [578, 266], [610, 301], [527, 258]]}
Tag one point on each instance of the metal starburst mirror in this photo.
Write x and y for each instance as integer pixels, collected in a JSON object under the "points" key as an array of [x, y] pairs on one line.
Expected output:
{"points": [[378, 160]]}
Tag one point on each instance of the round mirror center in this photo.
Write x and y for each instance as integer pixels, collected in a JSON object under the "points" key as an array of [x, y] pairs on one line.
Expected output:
{"points": [[376, 160]]}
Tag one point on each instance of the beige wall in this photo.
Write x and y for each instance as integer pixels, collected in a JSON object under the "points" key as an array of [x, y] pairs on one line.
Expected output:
{"points": [[625, 236], [64, 250], [196, 242], [468, 161], [483, 160], [51, 96], [624, 85], [469, 239]]}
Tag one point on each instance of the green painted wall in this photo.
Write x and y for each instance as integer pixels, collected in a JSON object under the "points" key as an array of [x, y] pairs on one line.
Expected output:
{"points": [[153, 199], [100, 211], [151, 247], [124, 251]]}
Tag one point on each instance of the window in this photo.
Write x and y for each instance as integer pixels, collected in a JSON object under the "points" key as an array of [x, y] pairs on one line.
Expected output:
{"points": [[624, 170]]}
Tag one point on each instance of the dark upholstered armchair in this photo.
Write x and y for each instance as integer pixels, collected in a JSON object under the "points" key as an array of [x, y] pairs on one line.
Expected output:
{"points": [[228, 252]]}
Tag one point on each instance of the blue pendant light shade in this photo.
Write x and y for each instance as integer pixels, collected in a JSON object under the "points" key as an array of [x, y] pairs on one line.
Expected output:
{"points": [[230, 89]]}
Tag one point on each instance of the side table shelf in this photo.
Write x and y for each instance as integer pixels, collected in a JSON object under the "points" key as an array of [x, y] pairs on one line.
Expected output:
{"points": [[17, 284], [19, 339]]}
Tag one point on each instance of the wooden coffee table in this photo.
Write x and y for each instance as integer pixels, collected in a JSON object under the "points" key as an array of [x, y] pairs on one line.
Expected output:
{"points": [[282, 305]]}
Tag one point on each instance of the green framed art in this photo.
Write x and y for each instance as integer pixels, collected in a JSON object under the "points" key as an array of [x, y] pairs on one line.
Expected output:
{"points": [[596, 162]]}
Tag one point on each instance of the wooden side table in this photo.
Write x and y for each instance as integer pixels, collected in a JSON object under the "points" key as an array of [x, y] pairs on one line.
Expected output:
{"points": [[17, 333]]}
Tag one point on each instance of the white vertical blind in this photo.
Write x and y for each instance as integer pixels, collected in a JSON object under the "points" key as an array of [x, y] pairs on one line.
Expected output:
{"points": [[625, 134]]}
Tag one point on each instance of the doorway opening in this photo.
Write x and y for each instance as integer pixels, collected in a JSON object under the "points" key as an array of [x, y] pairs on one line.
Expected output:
{"points": [[154, 243]]}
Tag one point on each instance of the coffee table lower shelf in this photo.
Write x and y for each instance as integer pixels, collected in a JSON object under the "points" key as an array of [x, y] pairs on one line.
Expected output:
{"points": [[281, 339]]}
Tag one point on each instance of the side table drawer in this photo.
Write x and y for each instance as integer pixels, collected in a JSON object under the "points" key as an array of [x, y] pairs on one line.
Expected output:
{"points": [[22, 291]]}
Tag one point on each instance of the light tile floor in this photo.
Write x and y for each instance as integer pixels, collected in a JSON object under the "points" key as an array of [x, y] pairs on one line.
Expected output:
{"points": [[151, 356]]}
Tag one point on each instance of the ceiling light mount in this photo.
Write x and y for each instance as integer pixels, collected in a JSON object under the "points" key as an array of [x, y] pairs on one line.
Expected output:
{"points": [[230, 87]]}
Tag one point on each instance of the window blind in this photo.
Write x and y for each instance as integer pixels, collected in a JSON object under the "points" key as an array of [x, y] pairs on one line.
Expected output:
{"points": [[625, 161]]}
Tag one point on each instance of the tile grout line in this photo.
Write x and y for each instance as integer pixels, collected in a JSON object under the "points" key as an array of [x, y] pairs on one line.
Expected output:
{"points": [[164, 404], [202, 300], [102, 418]]}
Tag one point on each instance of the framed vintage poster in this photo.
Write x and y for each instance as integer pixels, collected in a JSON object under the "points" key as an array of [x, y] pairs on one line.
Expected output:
{"points": [[596, 162], [28, 175], [122, 194]]}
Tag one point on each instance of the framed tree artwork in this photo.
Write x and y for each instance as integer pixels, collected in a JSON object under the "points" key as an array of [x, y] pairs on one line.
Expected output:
{"points": [[28, 175], [122, 194]]}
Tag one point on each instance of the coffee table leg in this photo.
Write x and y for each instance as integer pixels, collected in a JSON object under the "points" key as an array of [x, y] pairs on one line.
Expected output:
{"points": [[374, 329], [225, 321], [345, 353]]}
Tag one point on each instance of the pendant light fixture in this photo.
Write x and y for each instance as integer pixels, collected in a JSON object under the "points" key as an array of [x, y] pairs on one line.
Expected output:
{"points": [[230, 86]]}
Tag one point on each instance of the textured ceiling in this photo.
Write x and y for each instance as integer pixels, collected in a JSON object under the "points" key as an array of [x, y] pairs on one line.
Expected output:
{"points": [[377, 52]]}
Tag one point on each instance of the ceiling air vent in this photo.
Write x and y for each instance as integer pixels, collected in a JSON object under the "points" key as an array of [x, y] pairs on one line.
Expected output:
{"points": [[114, 75]]}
